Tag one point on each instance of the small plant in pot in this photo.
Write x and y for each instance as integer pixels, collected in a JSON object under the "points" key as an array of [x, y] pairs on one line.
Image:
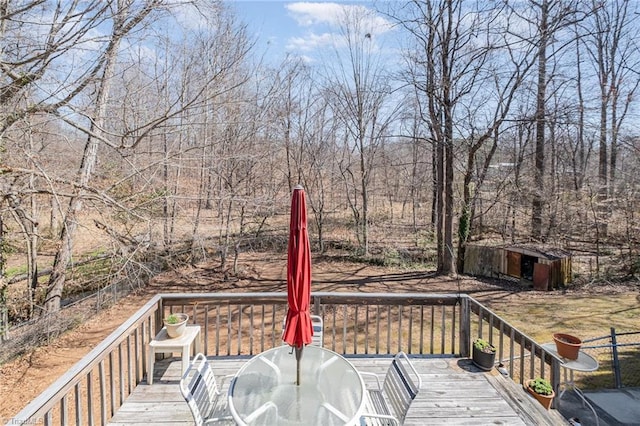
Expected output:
{"points": [[484, 354], [176, 324], [542, 391]]}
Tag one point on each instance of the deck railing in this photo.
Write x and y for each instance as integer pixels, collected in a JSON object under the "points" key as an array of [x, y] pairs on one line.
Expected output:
{"points": [[237, 324], [522, 358], [354, 324]]}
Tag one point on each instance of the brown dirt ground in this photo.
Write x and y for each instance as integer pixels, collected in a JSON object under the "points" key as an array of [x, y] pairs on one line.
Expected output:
{"points": [[24, 378]]}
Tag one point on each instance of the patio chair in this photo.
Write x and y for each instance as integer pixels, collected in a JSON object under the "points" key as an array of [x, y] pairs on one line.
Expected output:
{"points": [[201, 391], [318, 329], [388, 403]]}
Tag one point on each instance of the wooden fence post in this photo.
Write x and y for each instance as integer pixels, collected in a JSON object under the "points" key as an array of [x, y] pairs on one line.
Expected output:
{"points": [[4, 324]]}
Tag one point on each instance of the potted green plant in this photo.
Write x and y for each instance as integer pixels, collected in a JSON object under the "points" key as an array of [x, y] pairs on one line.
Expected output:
{"points": [[542, 391], [484, 354], [568, 346], [176, 324]]}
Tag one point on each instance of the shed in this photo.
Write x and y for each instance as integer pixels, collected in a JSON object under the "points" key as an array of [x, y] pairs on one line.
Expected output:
{"points": [[547, 268]]}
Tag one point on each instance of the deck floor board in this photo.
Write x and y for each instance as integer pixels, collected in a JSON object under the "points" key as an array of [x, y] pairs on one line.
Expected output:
{"points": [[453, 392]]}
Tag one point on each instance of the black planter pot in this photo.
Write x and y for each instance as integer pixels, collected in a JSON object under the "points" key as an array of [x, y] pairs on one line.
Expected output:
{"points": [[483, 360]]}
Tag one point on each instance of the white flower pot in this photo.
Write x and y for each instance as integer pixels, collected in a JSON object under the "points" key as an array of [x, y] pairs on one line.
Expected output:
{"points": [[176, 329]]}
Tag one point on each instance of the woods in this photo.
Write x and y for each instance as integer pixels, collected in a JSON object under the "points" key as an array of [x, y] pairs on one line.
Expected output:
{"points": [[427, 125]]}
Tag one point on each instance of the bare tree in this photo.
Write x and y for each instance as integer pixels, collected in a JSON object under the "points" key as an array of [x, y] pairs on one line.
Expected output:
{"points": [[320, 175], [361, 91], [547, 18], [303, 115], [125, 20], [34, 78], [467, 68], [582, 150], [21, 66], [610, 40], [417, 160], [441, 42]]}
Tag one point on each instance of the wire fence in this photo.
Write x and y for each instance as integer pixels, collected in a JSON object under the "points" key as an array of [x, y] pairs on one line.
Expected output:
{"points": [[19, 338], [618, 356], [130, 274]]}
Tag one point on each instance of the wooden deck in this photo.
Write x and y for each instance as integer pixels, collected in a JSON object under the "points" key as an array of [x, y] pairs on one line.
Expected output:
{"points": [[454, 392]]}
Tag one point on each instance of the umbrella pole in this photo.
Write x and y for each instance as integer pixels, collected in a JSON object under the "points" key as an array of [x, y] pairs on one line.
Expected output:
{"points": [[298, 356]]}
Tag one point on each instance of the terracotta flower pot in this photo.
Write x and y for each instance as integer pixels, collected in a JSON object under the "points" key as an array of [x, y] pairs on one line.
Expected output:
{"points": [[567, 345], [176, 329], [544, 400]]}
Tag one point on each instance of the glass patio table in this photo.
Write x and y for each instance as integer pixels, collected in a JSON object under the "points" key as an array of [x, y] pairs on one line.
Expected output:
{"points": [[264, 392]]}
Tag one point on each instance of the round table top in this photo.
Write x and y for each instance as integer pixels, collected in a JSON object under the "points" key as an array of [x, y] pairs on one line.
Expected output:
{"points": [[585, 362], [264, 392]]}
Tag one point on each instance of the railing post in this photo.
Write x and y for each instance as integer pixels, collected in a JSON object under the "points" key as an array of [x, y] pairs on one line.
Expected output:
{"points": [[465, 327], [316, 305], [555, 378], [157, 319]]}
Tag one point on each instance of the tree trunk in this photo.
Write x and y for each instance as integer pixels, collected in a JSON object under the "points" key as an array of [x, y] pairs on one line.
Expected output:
{"points": [[4, 287], [447, 109], [579, 155], [448, 257], [440, 244], [603, 156], [538, 190], [365, 198]]}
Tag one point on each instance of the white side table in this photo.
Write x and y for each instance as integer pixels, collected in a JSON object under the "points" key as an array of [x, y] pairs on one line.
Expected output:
{"points": [[162, 343], [584, 363]]}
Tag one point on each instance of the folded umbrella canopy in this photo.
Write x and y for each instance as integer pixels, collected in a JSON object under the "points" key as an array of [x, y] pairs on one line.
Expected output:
{"points": [[298, 329]]}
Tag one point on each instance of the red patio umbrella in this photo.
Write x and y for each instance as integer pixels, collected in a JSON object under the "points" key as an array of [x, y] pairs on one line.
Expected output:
{"points": [[298, 329]]}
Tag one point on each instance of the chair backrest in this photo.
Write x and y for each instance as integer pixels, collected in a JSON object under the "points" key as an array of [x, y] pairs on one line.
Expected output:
{"points": [[199, 388], [318, 330], [401, 385]]}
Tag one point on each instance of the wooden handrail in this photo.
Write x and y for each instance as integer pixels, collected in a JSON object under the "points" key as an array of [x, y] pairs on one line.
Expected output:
{"points": [[53, 395], [526, 343]]}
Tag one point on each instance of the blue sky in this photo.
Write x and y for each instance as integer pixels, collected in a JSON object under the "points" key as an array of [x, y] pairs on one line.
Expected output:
{"points": [[301, 28]]}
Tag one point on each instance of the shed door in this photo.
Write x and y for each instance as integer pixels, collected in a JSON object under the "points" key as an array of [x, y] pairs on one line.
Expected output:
{"points": [[513, 264], [541, 274]]}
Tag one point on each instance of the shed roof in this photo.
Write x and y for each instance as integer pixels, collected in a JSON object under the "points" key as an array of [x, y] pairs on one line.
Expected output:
{"points": [[546, 252]]}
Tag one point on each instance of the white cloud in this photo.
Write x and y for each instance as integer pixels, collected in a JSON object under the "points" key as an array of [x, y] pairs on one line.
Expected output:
{"points": [[310, 42], [307, 14], [324, 19]]}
